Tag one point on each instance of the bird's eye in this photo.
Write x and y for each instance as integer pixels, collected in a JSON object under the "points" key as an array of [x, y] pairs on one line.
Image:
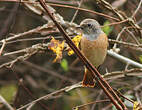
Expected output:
{"points": [[89, 25]]}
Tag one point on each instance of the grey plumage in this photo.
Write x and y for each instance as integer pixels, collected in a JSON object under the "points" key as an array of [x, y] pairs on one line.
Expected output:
{"points": [[91, 29]]}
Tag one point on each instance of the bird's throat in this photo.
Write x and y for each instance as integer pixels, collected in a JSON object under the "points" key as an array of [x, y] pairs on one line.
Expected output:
{"points": [[93, 36]]}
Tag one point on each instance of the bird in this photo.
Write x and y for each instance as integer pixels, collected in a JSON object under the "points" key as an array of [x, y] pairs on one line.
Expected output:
{"points": [[94, 43]]}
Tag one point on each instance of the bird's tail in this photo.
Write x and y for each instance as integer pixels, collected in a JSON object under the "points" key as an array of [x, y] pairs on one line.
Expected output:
{"points": [[88, 79]]}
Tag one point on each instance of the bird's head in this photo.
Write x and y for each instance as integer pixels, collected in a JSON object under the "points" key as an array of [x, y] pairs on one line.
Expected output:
{"points": [[90, 29]]}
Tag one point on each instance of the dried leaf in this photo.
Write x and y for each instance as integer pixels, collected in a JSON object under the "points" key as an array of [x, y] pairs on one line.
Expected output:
{"points": [[76, 41], [137, 106], [57, 47]]}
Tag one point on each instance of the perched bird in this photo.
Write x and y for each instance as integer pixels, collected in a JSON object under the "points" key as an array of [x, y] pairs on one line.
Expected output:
{"points": [[94, 45]]}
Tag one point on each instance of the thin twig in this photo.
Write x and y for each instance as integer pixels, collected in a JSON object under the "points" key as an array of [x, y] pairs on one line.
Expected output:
{"points": [[124, 43], [56, 93], [124, 59], [2, 100], [3, 45], [94, 102], [29, 39], [134, 14], [118, 36], [67, 6], [133, 36], [120, 74], [120, 15], [29, 50], [73, 18], [116, 23], [28, 53], [36, 30], [30, 106]]}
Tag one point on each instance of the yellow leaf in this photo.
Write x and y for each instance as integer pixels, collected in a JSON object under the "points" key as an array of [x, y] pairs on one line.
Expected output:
{"points": [[76, 41], [57, 47], [137, 106]]}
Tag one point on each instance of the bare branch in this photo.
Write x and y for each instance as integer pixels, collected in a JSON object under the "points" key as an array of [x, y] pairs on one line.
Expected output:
{"points": [[36, 30], [134, 14], [73, 18], [124, 59], [2, 100], [53, 94], [28, 52]]}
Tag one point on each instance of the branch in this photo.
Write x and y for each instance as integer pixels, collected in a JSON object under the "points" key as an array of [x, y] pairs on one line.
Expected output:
{"points": [[28, 52], [107, 76], [2, 100], [120, 74], [120, 15], [137, 9], [53, 94], [36, 30], [124, 59]]}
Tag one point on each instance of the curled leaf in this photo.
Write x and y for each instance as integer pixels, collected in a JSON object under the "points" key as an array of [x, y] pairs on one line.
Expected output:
{"points": [[76, 41], [57, 47], [137, 106]]}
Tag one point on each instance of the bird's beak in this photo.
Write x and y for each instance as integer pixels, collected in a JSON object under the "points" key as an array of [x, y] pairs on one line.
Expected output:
{"points": [[79, 27]]}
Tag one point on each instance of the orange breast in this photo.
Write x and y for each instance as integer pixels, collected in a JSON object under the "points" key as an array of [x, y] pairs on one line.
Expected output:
{"points": [[95, 50]]}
